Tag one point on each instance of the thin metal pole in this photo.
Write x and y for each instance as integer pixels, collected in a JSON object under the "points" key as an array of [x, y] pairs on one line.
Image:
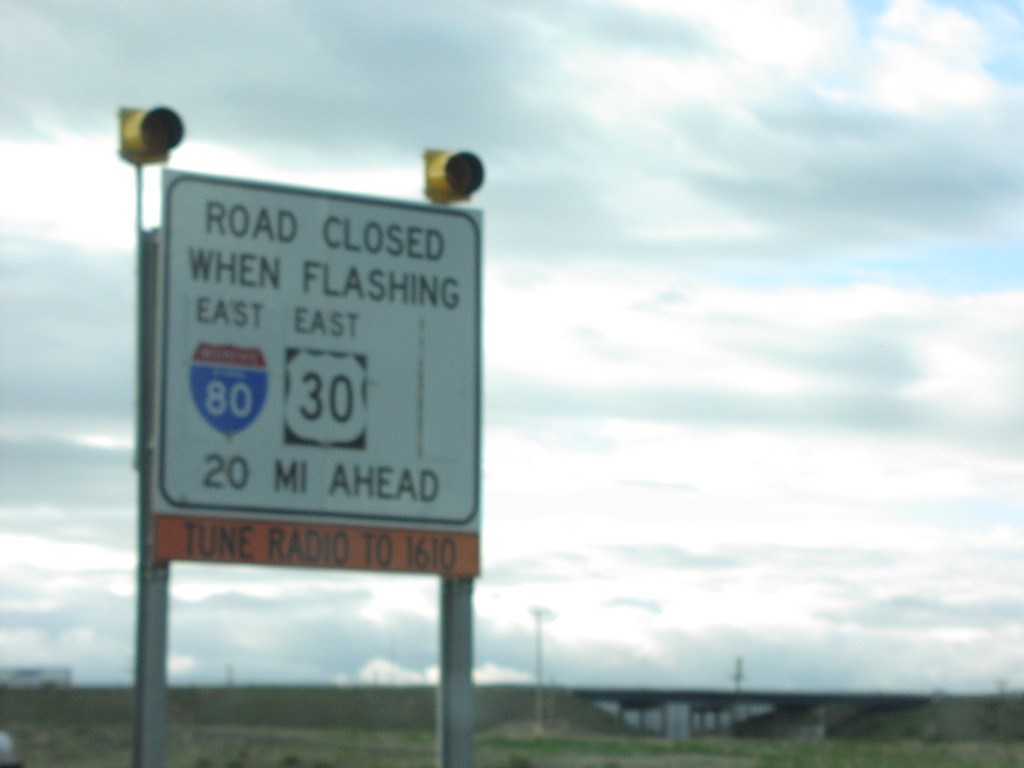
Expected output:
{"points": [[138, 210], [149, 747], [455, 694]]}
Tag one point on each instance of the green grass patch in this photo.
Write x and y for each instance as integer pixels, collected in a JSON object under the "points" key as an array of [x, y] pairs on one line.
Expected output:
{"points": [[394, 728]]}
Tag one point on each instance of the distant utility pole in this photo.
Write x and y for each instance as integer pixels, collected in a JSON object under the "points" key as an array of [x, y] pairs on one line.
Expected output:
{"points": [[737, 710], [539, 614]]}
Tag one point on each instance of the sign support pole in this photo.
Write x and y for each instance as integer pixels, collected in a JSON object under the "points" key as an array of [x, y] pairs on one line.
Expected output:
{"points": [[455, 696], [149, 746]]}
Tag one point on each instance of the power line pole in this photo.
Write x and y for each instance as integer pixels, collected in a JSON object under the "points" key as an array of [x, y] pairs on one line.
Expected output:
{"points": [[738, 712], [539, 614]]}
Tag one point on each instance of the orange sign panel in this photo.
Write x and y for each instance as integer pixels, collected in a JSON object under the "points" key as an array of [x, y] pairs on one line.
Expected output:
{"points": [[225, 540]]}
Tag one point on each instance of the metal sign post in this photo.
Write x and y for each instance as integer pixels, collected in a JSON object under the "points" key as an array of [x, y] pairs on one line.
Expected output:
{"points": [[150, 723], [455, 695], [147, 137], [150, 744]]}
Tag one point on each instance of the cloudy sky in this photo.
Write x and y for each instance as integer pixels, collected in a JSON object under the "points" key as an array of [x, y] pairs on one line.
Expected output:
{"points": [[753, 301]]}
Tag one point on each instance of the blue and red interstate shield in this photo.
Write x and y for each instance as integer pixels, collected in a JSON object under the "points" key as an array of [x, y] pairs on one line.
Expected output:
{"points": [[229, 385]]}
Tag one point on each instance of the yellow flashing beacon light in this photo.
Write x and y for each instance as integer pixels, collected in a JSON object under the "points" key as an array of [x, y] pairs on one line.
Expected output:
{"points": [[149, 136], [452, 176]]}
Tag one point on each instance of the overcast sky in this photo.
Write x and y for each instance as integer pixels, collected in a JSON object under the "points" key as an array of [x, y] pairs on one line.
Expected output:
{"points": [[753, 313]]}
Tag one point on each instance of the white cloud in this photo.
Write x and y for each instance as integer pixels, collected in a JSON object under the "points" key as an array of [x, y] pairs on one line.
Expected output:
{"points": [[70, 189], [930, 57], [18, 551], [793, 35], [494, 674], [379, 671]]}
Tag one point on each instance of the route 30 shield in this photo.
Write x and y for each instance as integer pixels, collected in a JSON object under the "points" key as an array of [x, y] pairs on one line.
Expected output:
{"points": [[325, 399]]}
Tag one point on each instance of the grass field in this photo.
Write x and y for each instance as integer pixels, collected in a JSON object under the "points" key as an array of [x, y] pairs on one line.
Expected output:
{"points": [[378, 728]]}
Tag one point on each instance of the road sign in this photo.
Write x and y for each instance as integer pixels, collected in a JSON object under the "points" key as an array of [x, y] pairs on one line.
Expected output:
{"points": [[313, 545], [318, 360]]}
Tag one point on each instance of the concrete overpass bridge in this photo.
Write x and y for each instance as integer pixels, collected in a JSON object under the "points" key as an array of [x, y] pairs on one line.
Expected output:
{"points": [[709, 711]]}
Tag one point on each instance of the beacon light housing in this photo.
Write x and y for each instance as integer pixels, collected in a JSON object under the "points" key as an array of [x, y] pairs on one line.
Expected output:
{"points": [[452, 176], [149, 136]]}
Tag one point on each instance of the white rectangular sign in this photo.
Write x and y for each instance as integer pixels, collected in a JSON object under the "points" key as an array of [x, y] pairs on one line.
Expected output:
{"points": [[318, 355]]}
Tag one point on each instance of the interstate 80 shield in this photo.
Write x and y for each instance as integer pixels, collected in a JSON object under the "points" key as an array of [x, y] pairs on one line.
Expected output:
{"points": [[229, 385]]}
